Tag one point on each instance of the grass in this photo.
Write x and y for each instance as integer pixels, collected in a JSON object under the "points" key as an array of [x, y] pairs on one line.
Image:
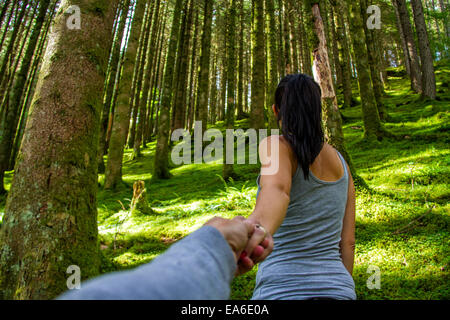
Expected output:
{"points": [[402, 222]]}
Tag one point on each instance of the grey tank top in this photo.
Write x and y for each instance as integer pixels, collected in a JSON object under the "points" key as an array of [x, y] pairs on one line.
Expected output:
{"points": [[306, 262]]}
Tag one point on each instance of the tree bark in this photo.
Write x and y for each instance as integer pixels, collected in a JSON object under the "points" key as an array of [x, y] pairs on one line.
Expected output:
{"points": [[228, 171], [111, 83], [50, 220], [415, 74], [161, 162], [372, 124], [113, 172], [258, 67], [273, 63], [203, 78], [426, 58]]}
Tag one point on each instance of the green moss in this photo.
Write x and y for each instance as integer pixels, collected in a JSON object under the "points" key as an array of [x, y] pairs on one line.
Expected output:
{"points": [[414, 264]]}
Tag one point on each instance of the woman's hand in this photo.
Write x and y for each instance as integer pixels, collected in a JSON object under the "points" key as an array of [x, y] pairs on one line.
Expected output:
{"points": [[258, 248]]}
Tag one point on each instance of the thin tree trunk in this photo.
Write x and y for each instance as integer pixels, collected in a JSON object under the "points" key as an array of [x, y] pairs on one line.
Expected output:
{"points": [[113, 172], [111, 82], [203, 78], [228, 171], [240, 86], [161, 164], [273, 63], [258, 62], [140, 75], [428, 76], [372, 124], [415, 74]]}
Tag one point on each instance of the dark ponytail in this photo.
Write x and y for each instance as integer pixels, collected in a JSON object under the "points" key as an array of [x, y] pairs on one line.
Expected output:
{"points": [[298, 102]]}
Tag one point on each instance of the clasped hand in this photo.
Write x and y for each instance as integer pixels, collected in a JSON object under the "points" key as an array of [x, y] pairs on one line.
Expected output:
{"points": [[249, 241]]}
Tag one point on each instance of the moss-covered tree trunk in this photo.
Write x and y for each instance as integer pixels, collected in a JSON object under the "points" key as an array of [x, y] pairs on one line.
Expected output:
{"points": [[258, 67], [340, 8], [414, 62], [110, 85], [373, 57], [149, 64], [113, 173], [335, 50], [404, 45], [426, 58], [50, 220], [331, 115], [371, 118], [161, 164]]}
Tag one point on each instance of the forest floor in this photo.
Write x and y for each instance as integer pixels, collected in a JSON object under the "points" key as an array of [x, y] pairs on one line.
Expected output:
{"points": [[402, 222]]}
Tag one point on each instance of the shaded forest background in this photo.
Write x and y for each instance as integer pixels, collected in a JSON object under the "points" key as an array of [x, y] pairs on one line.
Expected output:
{"points": [[87, 111]]}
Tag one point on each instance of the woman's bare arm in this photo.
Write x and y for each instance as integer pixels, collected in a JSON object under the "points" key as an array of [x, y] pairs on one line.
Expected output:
{"points": [[273, 199], [347, 244]]}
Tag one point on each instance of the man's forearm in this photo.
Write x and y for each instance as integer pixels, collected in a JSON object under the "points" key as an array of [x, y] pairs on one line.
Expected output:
{"points": [[201, 266]]}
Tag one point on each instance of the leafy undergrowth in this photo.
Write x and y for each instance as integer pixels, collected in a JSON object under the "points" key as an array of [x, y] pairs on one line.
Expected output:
{"points": [[402, 222]]}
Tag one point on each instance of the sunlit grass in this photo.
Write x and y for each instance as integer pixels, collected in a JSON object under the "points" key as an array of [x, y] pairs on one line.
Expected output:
{"points": [[409, 181]]}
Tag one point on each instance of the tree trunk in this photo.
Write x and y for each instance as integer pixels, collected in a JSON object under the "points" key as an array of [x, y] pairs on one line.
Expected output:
{"points": [[343, 46], [50, 220], [161, 164], [426, 58], [273, 63], [403, 41], [228, 171], [323, 76], [113, 173], [181, 70], [140, 75], [293, 37], [287, 39], [258, 63], [372, 124], [240, 99], [203, 78], [403, 15], [111, 83], [372, 52], [148, 69]]}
